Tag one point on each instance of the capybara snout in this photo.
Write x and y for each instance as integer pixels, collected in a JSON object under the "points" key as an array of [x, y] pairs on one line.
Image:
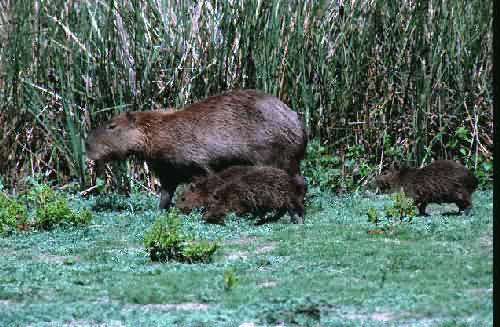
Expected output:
{"points": [[116, 139]]}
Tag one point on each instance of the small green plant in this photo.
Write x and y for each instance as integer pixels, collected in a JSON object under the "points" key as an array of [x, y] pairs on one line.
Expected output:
{"points": [[372, 215], [321, 168], [51, 209], [165, 241], [229, 278], [13, 214], [198, 251], [402, 207]]}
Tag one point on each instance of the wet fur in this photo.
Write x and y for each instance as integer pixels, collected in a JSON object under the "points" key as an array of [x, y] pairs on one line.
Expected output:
{"points": [[236, 128], [258, 191], [443, 181]]}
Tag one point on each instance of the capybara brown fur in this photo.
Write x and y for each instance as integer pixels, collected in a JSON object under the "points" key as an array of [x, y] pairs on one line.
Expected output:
{"points": [[442, 181], [243, 127], [258, 191], [196, 194]]}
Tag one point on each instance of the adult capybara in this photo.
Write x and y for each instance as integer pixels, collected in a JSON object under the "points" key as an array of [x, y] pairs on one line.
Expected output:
{"points": [[257, 191], [443, 181], [244, 127], [196, 193]]}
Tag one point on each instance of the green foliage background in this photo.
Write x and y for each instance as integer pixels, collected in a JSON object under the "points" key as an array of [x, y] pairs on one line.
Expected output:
{"points": [[374, 81]]}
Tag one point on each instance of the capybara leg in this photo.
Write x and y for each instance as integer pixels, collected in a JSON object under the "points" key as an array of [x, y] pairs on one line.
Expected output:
{"points": [[165, 199], [277, 216], [421, 209], [467, 210], [464, 205], [214, 220], [297, 213]]}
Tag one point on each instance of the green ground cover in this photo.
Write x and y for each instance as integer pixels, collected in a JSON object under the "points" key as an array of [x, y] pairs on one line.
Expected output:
{"points": [[434, 271]]}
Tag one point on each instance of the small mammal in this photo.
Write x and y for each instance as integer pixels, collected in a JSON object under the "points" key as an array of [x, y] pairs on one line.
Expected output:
{"points": [[442, 181], [197, 193], [258, 190], [243, 127]]}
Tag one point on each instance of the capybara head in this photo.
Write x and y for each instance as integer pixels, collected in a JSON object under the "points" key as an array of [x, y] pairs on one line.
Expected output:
{"points": [[115, 139], [390, 179], [191, 198]]}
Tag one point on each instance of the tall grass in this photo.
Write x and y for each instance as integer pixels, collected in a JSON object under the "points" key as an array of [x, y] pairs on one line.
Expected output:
{"points": [[397, 79]]}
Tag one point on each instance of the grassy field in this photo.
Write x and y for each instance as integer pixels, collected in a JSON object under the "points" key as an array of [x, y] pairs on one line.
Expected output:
{"points": [[435, 271]]}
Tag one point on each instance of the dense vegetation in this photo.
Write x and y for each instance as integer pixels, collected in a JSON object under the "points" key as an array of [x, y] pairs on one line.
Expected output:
{"points": [[374, 81]]}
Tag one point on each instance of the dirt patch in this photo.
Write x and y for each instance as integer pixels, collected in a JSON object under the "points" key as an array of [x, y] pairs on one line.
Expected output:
{"points": [[248, 324], [480, 291], [376, 316], [237, 255], [55, 259], [85, 323], [243, 240], [261, 249], [170, 307], [268, 284], [382, 316], [265, 248], [486, 240]]}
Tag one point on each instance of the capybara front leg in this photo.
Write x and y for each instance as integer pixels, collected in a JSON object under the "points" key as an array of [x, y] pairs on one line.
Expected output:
{"points": [[464, 203], [165, 199], [166, 195], [421, 209]]}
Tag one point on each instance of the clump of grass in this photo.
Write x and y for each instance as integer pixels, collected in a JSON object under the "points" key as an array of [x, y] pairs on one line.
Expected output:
{"points": [[372, 214], [40, 208], [229, 278], [401, 207], [13, 214], [165, 241], [51, 209]]}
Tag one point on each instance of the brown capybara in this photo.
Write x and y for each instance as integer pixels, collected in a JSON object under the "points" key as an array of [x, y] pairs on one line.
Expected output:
{"points": [[443, 181], [196, 193], [257, 191], [244, 127]]}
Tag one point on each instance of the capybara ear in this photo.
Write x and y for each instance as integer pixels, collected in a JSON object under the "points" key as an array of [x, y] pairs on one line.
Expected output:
{"points": [[130, 117]]}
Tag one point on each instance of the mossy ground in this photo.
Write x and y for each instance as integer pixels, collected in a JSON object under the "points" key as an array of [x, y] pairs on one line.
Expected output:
{"points": [[434, 271]]}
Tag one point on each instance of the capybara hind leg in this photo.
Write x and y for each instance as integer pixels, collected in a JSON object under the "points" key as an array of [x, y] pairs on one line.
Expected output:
{"points": [[277, 216], [297, 213], [165, 199], [464, 205], [421, 209]]}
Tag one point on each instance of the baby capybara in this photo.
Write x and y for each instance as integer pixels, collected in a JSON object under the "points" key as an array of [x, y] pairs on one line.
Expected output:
{"points": [[196, 193], [258, 191], [238, 127], [443, 181]]}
